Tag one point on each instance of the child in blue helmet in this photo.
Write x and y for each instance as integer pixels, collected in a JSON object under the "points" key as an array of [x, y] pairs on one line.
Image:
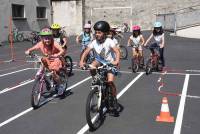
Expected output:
{"points": [[159, 41]]}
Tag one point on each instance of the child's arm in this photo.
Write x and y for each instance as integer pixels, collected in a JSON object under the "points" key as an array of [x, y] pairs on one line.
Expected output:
{"points": [[148, 40]]}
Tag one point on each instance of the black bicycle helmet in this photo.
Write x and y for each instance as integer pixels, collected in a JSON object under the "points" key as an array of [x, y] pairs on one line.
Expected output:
{"points": [[102, 26]]}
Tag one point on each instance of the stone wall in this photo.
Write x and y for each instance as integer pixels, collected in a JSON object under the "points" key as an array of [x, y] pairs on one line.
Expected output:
{"points": [[140, 12]]}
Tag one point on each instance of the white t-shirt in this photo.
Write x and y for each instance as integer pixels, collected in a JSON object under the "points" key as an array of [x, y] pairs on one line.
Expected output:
{"points": [[104, 49], [136, 40], [158, 38]]}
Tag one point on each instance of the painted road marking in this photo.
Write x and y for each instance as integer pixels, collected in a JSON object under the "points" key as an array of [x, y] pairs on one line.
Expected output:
{"points": [[19, 85], [179, 119], [15, 72], [86, 127], [31, 108]]}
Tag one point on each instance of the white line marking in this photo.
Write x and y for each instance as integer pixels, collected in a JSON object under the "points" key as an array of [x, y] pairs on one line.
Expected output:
{"points": [[129, 72], [31, 108], [179, 119], [79, 83], [16, 116], [86, 127], [14, 67], [192, 96], [14, 72], [21, 84], [192, 70]]}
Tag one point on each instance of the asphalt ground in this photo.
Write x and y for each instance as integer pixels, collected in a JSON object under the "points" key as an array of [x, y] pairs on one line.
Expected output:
{"points": [[139, 95]]}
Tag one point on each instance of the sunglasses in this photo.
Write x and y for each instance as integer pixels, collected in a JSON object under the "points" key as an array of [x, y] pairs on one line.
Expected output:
{"points": [[47, 37]]}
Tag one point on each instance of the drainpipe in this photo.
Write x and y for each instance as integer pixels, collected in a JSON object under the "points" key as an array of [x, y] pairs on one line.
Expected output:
{"points": [[51, 8], [83, 12]]}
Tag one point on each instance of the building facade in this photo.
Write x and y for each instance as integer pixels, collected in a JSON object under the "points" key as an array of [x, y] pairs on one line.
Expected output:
{"points": [[25, 15]]}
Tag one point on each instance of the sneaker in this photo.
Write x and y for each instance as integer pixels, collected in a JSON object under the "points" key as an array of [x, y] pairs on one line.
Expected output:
{"points": [[61, 89]]}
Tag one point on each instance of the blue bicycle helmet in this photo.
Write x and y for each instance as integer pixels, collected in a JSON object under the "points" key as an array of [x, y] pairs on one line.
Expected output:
{"points": [[157, 24]]}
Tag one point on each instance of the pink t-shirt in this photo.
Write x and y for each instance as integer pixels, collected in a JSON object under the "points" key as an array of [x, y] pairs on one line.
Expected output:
{"points": [[46, 50]]}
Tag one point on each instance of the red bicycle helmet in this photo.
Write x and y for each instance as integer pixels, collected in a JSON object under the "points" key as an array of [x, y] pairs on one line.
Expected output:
{"points": [[135, 28]]}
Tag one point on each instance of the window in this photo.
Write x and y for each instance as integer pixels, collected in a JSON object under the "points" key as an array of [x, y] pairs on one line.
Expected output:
{"points": [[41, 12], [18, 11]]}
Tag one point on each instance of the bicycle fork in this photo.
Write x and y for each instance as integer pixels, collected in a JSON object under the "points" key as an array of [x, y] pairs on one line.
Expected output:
{"points": [[99, 94]]}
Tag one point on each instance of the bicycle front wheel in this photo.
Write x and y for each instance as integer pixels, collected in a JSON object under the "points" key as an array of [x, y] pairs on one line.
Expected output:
{"points": [[123, 52], [69, 65], [135, 66], [36, 93], [20, 37], [94, 111]]}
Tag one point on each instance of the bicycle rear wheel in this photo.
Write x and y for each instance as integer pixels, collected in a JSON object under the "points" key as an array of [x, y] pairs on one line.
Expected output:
{"points": [[69, 64], [123, 52], [36, 93], [64, 79], [148, 68], [94, 110]]}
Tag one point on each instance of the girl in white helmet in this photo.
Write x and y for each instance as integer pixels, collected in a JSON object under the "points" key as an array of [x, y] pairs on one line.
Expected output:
{"points": [[159, 41]]}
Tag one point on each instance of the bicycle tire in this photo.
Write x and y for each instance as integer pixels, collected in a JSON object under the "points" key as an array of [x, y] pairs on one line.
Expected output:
{"points": [[134, 65], [123, 52], [98, 113], [148, 68], [20, 37], [69, 65], [64, 79], [36, 93]]}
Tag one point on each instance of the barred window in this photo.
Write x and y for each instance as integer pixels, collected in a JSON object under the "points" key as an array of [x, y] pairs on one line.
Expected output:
{"points": [[18, 11], [41, 12]]}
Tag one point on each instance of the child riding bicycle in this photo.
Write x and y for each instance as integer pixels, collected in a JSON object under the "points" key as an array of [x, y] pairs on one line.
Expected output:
{"points": [[136, 41], [59, 36], [105, 48], [85, 38], [159, 41], [52, 51]]}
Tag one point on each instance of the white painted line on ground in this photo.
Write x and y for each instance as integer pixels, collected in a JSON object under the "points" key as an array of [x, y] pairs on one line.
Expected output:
{"points": [[16, 116], [129, 72], [14, 67], [86, 127], [194, 97], [31, 108], [179, 119], [15, 72], [192, 70], [20, 84]]}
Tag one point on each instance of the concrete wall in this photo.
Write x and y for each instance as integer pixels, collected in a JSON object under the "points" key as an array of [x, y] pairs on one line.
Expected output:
{"points": [[140, 12], [28, 24], [69, 15]]}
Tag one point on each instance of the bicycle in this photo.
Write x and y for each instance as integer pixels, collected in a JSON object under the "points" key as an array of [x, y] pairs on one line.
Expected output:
{"points": [[153, 63], [137, 61], [44, 82], [100, 98], [123, 50], [35, 38], [15, 36]]}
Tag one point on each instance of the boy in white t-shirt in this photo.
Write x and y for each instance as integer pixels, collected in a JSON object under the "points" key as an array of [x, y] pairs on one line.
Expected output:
{"points": [[105, 48]]}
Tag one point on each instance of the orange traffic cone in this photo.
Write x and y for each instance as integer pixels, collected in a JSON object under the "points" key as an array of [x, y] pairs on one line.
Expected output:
{"points": [[164, 113]]}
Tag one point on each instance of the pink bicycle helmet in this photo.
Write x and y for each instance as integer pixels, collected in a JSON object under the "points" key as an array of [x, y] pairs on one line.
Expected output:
{"points": [[135, 27]]}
